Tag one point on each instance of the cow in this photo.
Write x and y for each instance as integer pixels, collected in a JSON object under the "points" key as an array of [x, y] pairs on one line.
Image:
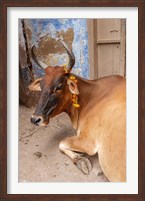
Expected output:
{"points": [[97, 109]]}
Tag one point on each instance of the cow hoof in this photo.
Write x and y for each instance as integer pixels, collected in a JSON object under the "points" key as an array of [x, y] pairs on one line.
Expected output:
{"points": [[84, 165]]}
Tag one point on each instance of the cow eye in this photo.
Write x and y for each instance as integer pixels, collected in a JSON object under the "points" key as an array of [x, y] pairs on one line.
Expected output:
{"points": [[59, 87]]}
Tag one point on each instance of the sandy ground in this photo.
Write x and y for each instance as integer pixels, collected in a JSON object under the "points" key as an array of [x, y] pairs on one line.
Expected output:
{"points": [[39, 157]]}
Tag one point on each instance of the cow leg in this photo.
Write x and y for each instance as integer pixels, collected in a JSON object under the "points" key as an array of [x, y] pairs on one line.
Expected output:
{"points": [[70, 146]]}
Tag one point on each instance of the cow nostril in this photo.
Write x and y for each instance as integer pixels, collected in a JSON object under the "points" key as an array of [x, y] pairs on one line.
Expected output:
{"points": [[35, 120]]}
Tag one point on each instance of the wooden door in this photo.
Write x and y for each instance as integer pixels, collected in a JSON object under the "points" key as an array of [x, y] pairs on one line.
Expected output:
{"points": [[106, 47]]}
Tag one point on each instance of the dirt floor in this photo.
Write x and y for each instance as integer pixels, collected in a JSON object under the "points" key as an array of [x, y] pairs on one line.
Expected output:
{"points": [[39, 157]]}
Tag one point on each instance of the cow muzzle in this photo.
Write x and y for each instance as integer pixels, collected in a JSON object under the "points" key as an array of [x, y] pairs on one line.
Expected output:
{"points": [[37, 120]]}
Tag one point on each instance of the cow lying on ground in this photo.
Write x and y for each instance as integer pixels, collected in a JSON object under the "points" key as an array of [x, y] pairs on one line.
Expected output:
{"points": [[97, 110]]}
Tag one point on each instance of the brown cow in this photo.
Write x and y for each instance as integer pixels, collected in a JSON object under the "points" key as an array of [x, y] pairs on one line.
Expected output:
{"points": [[97, 110]]}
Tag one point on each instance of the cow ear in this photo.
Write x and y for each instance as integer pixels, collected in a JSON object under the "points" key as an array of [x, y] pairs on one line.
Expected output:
{"points": [[35, 85], [73, 87]]}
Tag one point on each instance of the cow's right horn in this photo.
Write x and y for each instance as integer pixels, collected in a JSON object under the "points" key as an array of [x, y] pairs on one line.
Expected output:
{"points": [[70, 54]]}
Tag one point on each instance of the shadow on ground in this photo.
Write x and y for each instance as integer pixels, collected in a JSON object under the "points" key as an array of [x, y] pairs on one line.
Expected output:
{"points": [[39, 157]]}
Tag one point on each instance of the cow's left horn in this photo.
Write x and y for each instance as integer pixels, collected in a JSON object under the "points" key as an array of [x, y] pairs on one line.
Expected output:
{"points": [[38, 62], [70, 54]]}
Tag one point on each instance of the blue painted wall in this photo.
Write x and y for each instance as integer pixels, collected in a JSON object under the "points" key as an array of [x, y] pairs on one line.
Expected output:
{"points": [[39, 28]]}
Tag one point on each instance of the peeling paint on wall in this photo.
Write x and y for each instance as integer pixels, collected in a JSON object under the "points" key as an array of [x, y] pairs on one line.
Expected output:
{"points": [[43, 33]]}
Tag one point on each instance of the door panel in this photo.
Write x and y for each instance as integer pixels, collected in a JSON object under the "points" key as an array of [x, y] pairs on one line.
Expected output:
{"points": [[108, 63], [106, 47]]}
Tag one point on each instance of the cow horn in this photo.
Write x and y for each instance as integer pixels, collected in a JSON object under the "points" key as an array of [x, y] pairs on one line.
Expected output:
{"points": [[39, 63], [70, 54]]}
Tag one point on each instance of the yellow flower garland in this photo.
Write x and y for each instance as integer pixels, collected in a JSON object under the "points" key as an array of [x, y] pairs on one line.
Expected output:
{"points": [[74, 96]]}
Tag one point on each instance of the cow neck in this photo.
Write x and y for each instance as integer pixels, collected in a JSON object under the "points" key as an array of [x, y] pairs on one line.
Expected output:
{"points": [[85, 88], [74, 115]]}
